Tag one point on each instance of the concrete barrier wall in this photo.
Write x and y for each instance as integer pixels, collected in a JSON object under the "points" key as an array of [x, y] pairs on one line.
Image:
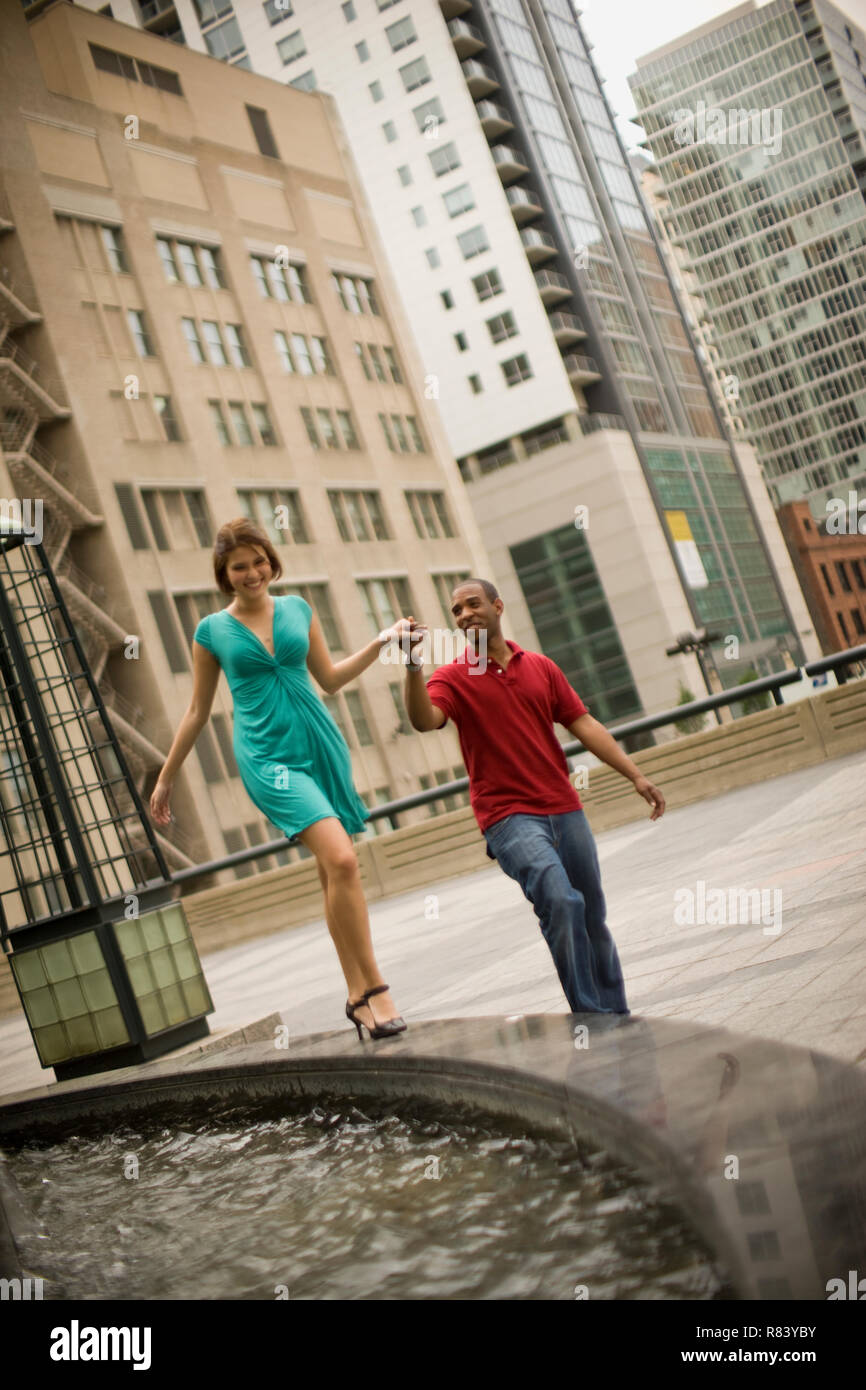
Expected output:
{"points": [[689, 769]]}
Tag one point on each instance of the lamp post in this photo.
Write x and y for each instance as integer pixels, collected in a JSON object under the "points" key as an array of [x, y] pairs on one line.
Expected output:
{"points": [[697, 643], [100, 951]]}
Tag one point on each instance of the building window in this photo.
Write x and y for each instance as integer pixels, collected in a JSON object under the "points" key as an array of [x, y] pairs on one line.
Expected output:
{"points": [[393, 365], [141, 337], [291, 47], [237, 347], [166, 255], [385, 600], [214, 343], [461, 342], [219, 422], [429, 513], [447, 299], [458, 200], [415, 74], [357, 295], [433, 258], [278, 511], [475, 385], [112, 240], [502, 327], [376, 91], [261, 128], [488, 284], [212, 266], [262, 422], [321, 356], [403, 725], [349, 12], [135, 70], [404, 174], [240, 424], [178, 518], [305, 82], [190, 332], [843, 576], [401, 34], [226, 41], [419, 217], [327, 429], [389, 130], [310, 426], [362, 51], [827, 579], [473, 242], [355, 706], [359, 515], [429, 115], [415, 433], [444, 159], [516, 369], [277, 10], [163, 407]]}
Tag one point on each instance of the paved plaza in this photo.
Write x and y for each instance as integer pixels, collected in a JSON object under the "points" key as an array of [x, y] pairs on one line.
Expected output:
{"points": [[801, 836]]}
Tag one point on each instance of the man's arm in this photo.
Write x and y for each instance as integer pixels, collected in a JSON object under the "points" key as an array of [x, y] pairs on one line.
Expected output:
{"points": [[423, 714], [598, 740]]}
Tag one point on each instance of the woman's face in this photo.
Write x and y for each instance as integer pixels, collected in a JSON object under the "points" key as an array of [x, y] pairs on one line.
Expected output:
{"points": [[248, 570]]}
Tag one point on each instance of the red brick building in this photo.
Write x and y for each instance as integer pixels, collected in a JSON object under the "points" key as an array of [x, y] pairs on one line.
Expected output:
{"points": [[832, 572]]}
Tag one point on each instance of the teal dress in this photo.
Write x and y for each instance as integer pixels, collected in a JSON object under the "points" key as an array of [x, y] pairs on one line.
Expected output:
{"points": [[293, 760]]}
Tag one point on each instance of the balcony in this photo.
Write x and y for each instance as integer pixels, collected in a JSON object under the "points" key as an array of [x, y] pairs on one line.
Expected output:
{"points": [[22, 383], [552, 286], [582, 371], [524, 203], [510, 162], [539, 246], [495, 119], [480, 79], [567, 328], [589, 424], [465, 38], [451, 8], [153, 12]]}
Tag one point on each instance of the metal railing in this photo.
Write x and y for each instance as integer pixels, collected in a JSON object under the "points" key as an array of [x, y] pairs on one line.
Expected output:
{"points": [[774, 683]]}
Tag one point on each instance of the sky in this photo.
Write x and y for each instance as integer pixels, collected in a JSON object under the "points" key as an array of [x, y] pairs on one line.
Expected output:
{"points": [[623, 30]]}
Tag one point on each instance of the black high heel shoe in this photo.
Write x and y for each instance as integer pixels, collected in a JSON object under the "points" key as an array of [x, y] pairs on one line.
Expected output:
{"points": [[381, 1030]]}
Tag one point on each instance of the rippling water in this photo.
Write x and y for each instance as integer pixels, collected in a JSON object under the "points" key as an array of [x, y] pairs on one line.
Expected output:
{"points": [[339, 1202]]}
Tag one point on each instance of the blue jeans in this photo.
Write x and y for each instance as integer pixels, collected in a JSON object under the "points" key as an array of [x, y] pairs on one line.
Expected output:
{"points": [[554, 860]]}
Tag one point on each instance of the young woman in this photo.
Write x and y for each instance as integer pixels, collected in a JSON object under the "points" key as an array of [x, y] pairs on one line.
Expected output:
{"points": [[293, 760]]}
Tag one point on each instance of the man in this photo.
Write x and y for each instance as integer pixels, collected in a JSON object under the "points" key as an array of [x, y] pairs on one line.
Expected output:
{"points": [[503, 701]]}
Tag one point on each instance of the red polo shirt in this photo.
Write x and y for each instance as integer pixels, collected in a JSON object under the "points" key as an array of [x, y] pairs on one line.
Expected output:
{"points": [[504, 717]]}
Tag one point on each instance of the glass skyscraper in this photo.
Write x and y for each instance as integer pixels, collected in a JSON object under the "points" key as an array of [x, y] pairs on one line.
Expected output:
{"points": [[758, 130]]}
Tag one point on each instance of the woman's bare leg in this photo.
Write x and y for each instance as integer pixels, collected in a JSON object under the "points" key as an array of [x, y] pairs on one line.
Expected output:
{"points": [[346, 914]]}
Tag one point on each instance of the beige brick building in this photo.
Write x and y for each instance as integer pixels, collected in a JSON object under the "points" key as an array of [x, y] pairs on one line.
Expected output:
{"points": [[196, 322]]}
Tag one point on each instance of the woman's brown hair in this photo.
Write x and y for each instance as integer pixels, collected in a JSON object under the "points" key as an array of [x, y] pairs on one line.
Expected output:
{"points": [[241, 531]]}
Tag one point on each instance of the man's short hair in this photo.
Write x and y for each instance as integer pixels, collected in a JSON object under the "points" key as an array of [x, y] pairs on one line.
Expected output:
{"points": [[490, 591]]}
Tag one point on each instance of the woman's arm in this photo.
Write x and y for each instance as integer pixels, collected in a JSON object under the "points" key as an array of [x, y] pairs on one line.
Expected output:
{"points": [[206, 673], [332, 676]]}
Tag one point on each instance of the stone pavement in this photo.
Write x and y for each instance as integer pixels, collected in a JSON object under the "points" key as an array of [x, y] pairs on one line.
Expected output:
{"points": [[802, 836]]}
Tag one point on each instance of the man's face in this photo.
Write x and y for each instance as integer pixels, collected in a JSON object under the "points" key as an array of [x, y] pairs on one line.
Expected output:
{"points": [[472, 611]]}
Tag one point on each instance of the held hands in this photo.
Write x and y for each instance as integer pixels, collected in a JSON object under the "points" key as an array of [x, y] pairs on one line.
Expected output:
{"points": [[644, 787], [408, 635]]}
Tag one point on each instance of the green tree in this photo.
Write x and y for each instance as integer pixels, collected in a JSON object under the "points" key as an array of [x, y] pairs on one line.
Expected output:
{"points": [[693, 723], [753, 703]]}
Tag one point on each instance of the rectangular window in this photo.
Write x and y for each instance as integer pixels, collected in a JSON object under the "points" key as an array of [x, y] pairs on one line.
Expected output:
{"points": [[386, 430], [296, 274], [214, 343], [516, 369], [166, 255], [305, 81], [347, 429], [128, 503], [458, 200], [219, 422], [362, 358], [349, 12], [321, 357], [393, 365], [166, 626], [401, 34], [488, 284], [473, 242], [434, 260], [415, 74], [310, 426], [189, 264], [291, 47], [277, 10], [301, 354], [113, 243], [419, 217], [376, 91], [362, 51], [237, 347], [261, 128], [325, 425], [417, 437], [502, 327], [400, 433], [212, 267], [389, 130], [226, 41], [359, 719], [404, 174], [163, 407], [373, 353], [240, 424], [444, 159], [429, 115], [475, 384], [262, 422], [141, 337], [284, 352]]}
